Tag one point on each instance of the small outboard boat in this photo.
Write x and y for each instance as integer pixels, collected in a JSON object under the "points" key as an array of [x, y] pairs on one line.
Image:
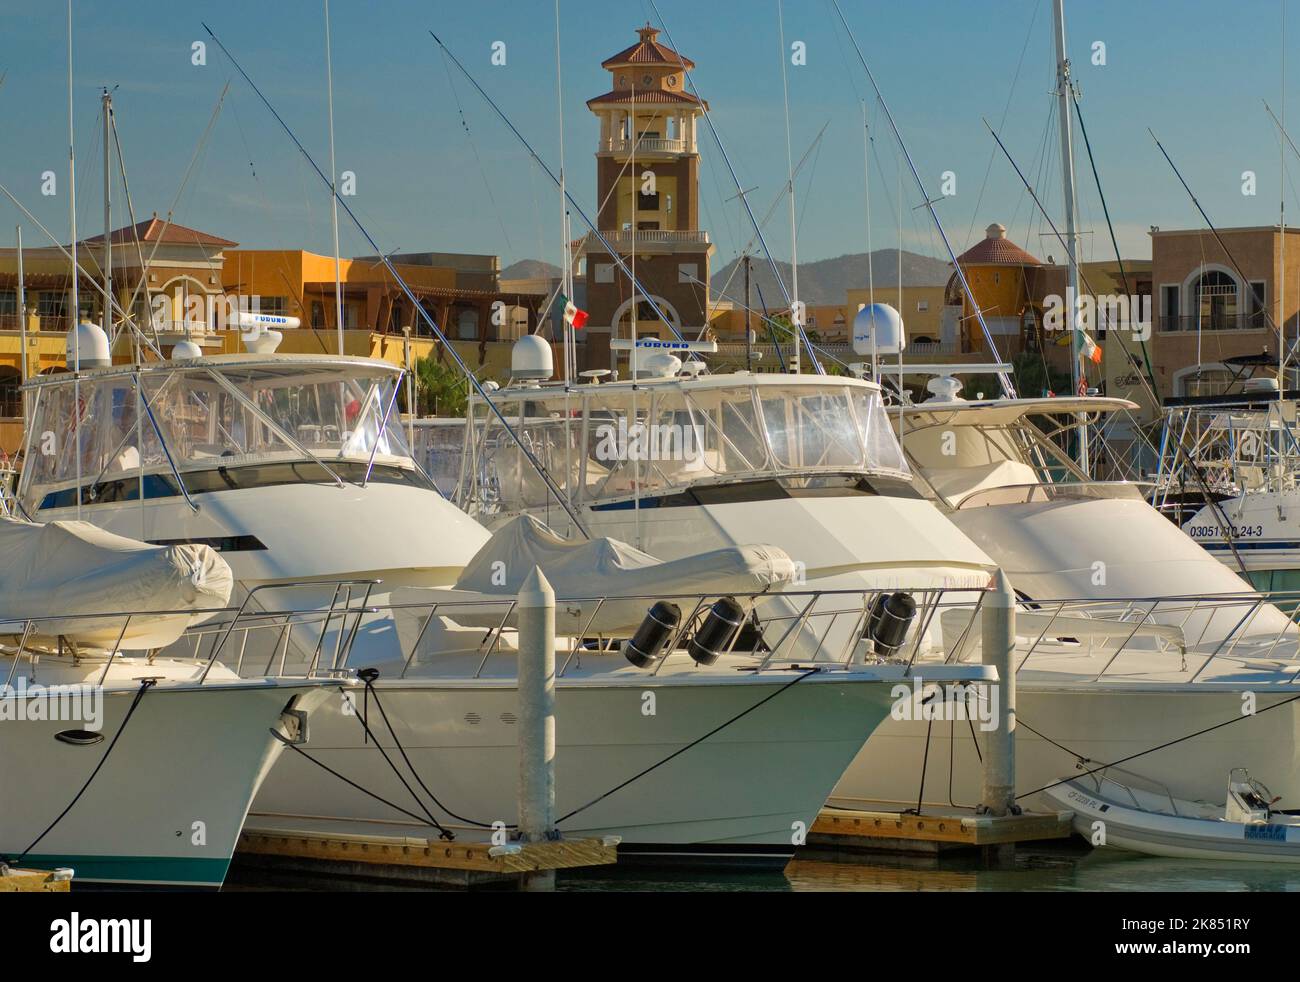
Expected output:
{"points": [[1245, 828]]}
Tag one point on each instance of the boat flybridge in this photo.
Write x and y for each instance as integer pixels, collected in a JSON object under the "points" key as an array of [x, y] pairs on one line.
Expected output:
{"points": [[345, 556], [679, 460]]}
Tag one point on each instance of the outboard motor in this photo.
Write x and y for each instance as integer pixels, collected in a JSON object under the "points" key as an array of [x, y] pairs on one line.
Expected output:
{"points": [[888, 622], [721, 625], [660, 622]]}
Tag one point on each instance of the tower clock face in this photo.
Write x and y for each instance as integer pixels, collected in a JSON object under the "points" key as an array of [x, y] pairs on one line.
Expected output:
{"points": [[672, 79]]}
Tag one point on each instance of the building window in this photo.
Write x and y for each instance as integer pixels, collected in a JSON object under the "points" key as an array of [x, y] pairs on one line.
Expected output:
{"points": [[276, 306], [467, 325], [648, 202], [1257, 304], [1169, 308], [317, 315], [8, 302], [52, 303], [922, 306]]}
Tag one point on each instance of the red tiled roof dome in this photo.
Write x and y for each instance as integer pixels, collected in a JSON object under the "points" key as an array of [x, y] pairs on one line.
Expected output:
{"points": [[648, 51], [995, 249]]}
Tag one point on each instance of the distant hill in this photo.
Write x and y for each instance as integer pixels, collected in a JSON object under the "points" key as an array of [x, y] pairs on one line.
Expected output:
{"points": [[528, 269], [828, 280]]}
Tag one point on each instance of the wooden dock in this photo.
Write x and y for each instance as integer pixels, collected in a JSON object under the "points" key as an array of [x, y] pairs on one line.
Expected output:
{"points": [[416, 860], [34, 881], [846, 832]]}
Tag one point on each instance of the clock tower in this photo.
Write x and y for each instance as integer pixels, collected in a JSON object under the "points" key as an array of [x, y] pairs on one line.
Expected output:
{"points": [[647, 192]]}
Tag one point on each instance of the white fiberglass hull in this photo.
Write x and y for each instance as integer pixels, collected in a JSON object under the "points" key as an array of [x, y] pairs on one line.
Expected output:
{"points": [[168, 805], [746, 790], [1099, 723]]}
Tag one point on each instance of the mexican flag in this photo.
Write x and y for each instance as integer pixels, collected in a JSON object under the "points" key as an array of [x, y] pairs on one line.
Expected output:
{"points": [[572, 315], [1090, 349]]}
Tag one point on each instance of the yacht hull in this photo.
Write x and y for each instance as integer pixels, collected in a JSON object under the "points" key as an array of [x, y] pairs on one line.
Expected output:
{"points": [[746, 791], [168, 804], [1102, 725]]}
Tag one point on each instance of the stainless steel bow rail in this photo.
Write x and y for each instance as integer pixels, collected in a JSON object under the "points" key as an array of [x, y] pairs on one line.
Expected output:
{"points": [[826, 628]]}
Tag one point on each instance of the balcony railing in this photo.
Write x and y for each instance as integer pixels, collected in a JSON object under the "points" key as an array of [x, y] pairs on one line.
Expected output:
{"points": [[645, 145], [1214, 322], [656, 236]]}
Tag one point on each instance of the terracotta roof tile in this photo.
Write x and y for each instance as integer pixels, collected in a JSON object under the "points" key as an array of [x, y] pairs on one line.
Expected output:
{"points": [[156, 230], [647, 51], [643, 96], [995, 249]]}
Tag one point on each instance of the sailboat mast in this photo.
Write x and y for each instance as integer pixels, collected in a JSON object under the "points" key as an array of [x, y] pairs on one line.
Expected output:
{"points": [[334, 194], [1063, 85], [74, 320]]}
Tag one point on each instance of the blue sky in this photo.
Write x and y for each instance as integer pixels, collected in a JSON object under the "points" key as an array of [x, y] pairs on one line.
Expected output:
{"points": [[1195, 71]]}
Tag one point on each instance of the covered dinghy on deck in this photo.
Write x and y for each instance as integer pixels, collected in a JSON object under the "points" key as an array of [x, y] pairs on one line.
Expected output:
{"points": [[603, 585], [75, 581]]}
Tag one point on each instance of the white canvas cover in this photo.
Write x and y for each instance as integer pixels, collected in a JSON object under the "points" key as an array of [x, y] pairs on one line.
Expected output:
{"points": [[69, 569], [581, 573]]}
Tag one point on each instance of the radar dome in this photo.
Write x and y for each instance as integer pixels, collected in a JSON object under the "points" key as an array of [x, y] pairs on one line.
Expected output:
{"points": [[87, 347], [531, 358], [184, 350], [878, 330]]}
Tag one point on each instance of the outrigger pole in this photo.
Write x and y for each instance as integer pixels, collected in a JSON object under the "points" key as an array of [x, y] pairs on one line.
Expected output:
{"points": [[419, 308], [1008, 389]]}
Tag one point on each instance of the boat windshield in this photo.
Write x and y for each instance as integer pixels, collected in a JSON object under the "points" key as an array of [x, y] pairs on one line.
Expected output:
{"points": [[609, 441], [980, 456], [233, 424]]}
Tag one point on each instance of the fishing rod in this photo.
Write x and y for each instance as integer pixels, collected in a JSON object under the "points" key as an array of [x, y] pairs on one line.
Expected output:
{"points": [[1287, 136], [726, 159], [637, 285], [418, 307], [1008, 389], [1110, 227]]}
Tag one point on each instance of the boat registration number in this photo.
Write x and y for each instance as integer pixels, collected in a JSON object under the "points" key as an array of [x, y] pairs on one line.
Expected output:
{"points": [[1238, 531]]}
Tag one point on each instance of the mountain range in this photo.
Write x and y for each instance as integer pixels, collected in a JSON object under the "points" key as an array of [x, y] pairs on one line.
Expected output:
{"points": [[825, 281]]}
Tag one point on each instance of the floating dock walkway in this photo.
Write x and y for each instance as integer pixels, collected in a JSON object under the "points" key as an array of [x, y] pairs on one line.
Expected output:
{"points": [[34, 880], [847, 831], [392, 858]]}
